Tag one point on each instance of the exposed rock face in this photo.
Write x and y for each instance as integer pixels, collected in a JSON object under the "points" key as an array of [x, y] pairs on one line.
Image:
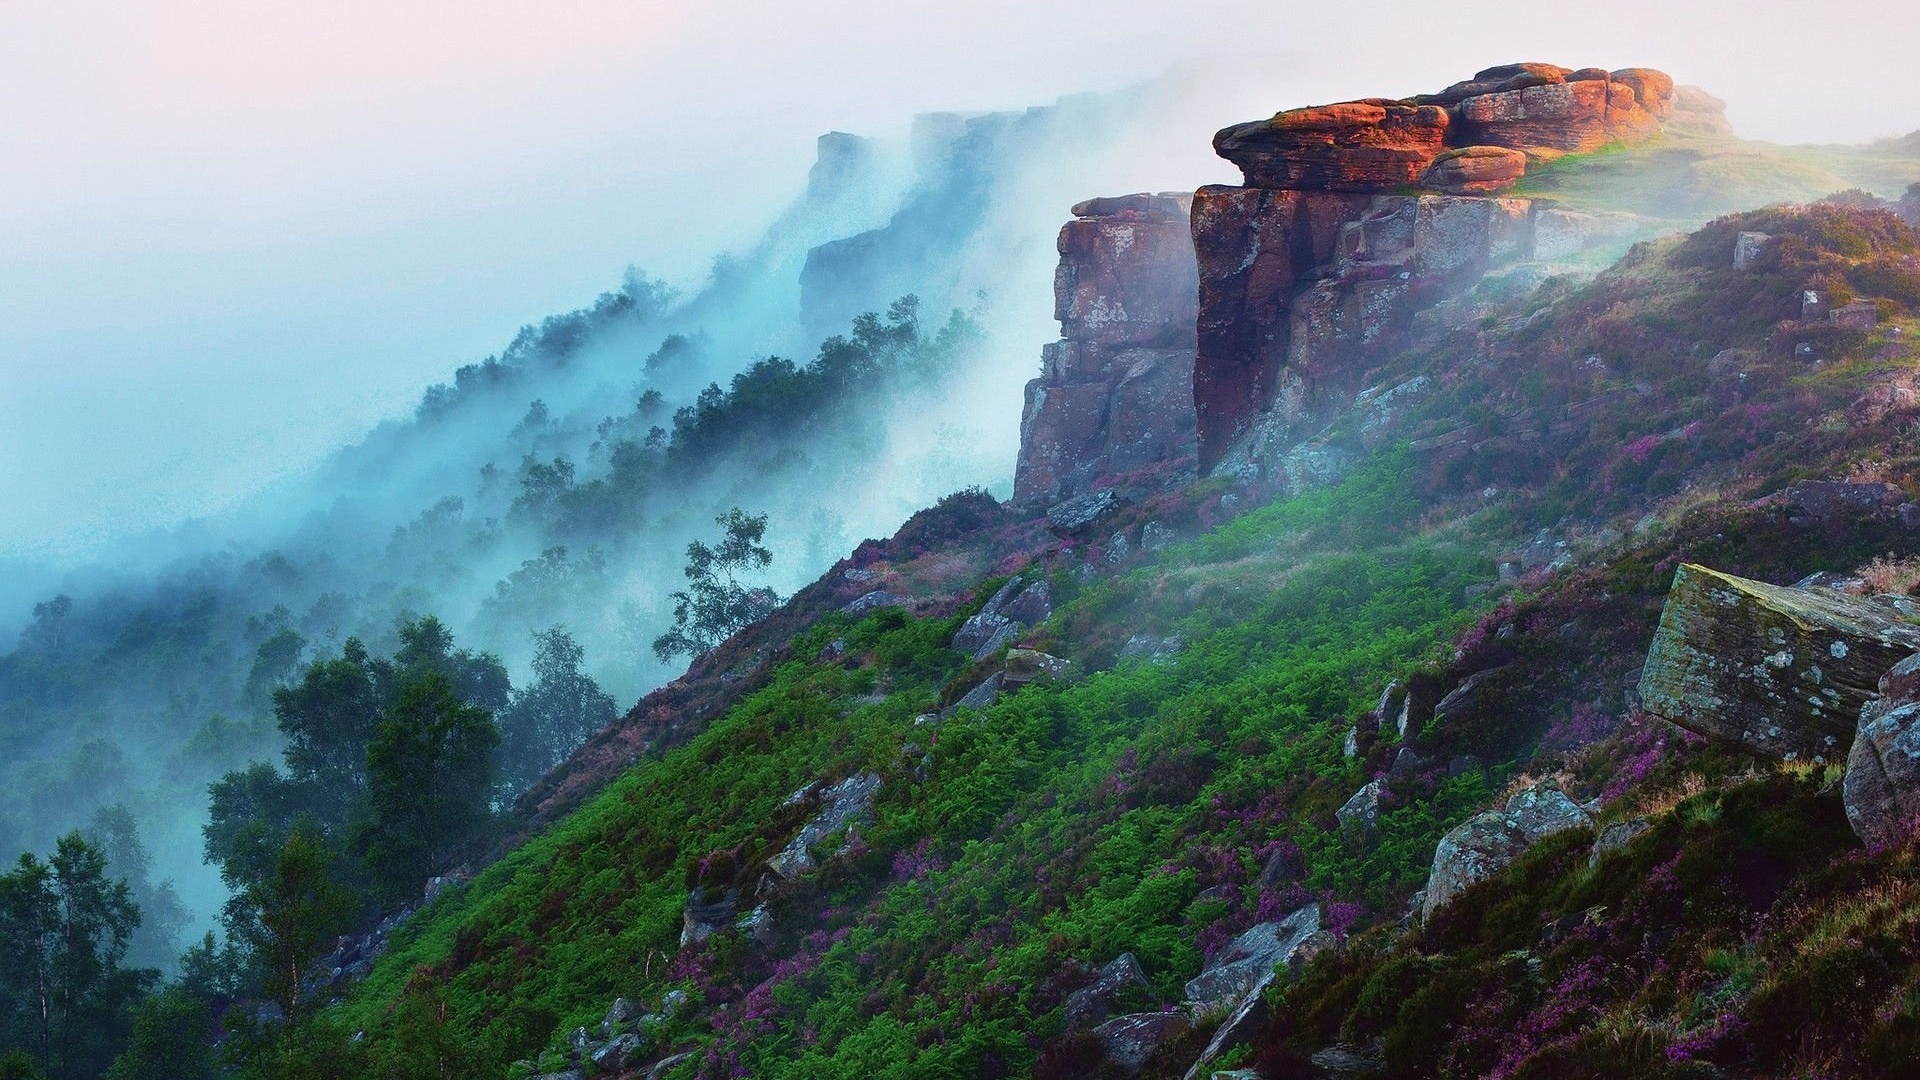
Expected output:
{"points": [[1482, 845], [1781, 671], [1017, 607], [1882, 788], [1114, 394], [1313, 270]]}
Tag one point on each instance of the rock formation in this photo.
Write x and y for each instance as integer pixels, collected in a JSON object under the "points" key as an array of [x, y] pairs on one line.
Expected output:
{"points": [[1356, 216], [1479, 847], [1114, 394], [1781, 671], [1882, 787]]}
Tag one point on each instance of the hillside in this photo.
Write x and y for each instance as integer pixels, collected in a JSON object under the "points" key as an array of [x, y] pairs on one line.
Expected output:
{"points": [[1454, 612], [1049, 788]]}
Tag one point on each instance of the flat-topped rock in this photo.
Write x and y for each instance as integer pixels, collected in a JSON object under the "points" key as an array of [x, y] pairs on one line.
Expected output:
{"points": [[1780, 671], [1351, 146], [1165, 206], [1558, 118]]}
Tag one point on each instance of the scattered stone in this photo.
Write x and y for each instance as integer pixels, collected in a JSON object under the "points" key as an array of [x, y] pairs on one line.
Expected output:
{"points": [[1027, 665], [1091, 1004], [980, 696], [619, 1015], [1361, 812], [1251, 1013], [1859, 315], [1782, 672], [1131, 1039], [666, 1065], [847, 803], [1349, 1060], [1882, 786], [1155, 535], [617, 1055], [1747, 249], [1616, 835], [1485, 843], [1084, 513], [708, 910], [1248, 961], [874, 601]]}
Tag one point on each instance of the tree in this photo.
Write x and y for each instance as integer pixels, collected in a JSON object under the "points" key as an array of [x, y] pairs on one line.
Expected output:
{"points": [[430, 768], [155, 942], [716, 603], [552, 715], [327, 719], [291, 918], [64, 927], [426, 645]]}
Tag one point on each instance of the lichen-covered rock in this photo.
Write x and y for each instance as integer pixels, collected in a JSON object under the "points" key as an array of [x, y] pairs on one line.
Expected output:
{"points": [[707, 911], [1882, 786], [849, 802], [1027, 665], [1248, 961], [1481, 846], [1251, 1012], [1130, 1040], [1747, 249], [1018, 606], [1475, 170], [1361, 812], [1783, 672], [1119, 980], [1350, 146], [1084, 513], [1614, 836]]}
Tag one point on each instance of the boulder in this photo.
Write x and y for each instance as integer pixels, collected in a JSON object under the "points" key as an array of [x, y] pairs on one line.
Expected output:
{"points": [[1250, 1014], [1247, 962], [1475, 170], [1361, 812], [1485, 843], [1130, 1040], [1360, 146], [619, 1015], [1616, 835], [1084, 513], [981, 696], [1551, 119], [1653, 89], [707, 910], [1028, 665], [1818, 502], [617, 1056], [1120, 979], [1782, 672], [874, 601], [1859, 315], [1882, 785], [849, 802], [1016, 607], [1747, 249]]}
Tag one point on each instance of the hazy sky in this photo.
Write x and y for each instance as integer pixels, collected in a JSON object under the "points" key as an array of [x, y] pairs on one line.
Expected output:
{"points": [[235, 233]]}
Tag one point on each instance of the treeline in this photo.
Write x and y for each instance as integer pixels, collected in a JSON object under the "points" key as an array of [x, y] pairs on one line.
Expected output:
{"points": [[393, 770]]}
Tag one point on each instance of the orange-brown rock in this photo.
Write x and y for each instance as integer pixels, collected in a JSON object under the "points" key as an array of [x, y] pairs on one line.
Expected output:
{"points": [[1696, 112], [1557, 118], [1475, 170], [1352, 146], [1654, 89]]}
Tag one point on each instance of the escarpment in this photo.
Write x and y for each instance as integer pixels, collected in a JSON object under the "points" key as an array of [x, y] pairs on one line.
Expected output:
{"points": [[1356, 217]]}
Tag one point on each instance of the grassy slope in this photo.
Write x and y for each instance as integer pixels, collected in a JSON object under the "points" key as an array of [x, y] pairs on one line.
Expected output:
{"points": [[1075, 820]]}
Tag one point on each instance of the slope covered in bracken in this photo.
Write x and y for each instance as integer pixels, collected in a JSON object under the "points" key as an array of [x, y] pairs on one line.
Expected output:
{"points": [[866, 866]]}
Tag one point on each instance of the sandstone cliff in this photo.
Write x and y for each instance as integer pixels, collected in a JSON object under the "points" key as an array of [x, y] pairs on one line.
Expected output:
{"points": [[1115, 394], [1356, 217]]}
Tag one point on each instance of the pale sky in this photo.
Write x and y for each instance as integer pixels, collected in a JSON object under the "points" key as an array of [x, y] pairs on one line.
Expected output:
{"points": [[236, 233]]}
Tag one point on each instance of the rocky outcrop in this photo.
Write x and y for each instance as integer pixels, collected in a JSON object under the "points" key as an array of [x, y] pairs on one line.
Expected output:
{"points": [[1485, 843], [845, 804], [1783, 672], [1882, 786], [1128, 1041], [1312, 271], [1114, 395], [1234, 982], [1016, 607]]}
